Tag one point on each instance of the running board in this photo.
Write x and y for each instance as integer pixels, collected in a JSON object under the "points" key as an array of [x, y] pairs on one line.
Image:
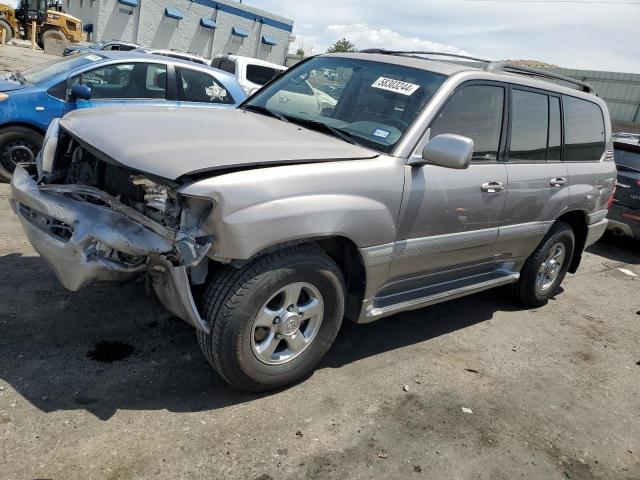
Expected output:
{"points": [[373, 313]]}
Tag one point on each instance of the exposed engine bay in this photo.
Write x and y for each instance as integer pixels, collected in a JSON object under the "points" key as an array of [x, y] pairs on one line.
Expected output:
{"points": [[155, 200], [95, 220]]}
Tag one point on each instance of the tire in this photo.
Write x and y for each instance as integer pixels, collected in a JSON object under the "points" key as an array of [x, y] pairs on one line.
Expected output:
{"points": [[50, 34], [7, 28], [234, 299], [538, 283], [11, 139]]}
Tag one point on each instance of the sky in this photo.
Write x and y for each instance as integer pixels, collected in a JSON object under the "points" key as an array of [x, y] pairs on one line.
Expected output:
{"points": [[569, 33]]}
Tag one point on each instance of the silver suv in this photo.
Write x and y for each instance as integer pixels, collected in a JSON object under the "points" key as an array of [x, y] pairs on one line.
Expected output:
{"points": [[265, 226]]}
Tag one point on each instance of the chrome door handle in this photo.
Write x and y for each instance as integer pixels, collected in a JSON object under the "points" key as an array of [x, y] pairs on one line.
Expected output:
{"points": [[492, 187], [558, 182]]}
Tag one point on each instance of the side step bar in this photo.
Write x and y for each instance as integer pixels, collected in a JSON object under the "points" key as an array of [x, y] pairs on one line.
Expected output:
{"points": [[384, 311]]}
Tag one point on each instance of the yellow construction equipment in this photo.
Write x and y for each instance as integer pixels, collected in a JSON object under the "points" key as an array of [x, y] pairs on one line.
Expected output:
{"points": [[50, 23]]}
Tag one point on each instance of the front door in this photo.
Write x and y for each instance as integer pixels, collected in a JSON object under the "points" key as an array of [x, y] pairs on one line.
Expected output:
{"points": [[130, 83], [449, 218]]}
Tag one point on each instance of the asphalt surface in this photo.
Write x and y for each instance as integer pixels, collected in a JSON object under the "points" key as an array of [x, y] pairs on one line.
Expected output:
{"points": [[104, 384]]}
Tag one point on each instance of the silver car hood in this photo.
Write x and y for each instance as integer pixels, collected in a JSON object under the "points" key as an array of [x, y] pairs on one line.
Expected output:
{"points": [[172, 142]]}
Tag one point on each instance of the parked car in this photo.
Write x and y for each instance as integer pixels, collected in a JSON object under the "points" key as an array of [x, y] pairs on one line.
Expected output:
{"points": [[624, 213], [263, 227], [102, 46], [174, 54], [251, 73], [29, 100]]}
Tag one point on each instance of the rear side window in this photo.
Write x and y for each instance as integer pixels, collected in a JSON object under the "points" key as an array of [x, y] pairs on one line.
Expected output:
{"points": [[196, 86], [529, 126], [584, 130], [228, 66], [476, 112], [260, 74], [627, 160]]}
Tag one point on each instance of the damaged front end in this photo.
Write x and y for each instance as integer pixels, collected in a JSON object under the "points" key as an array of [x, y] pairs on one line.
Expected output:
{"points": [[93, 220]]}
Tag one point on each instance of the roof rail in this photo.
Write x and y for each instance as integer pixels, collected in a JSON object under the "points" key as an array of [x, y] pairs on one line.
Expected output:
{"points": [[491, 66], [508, 67], [418, 52]]}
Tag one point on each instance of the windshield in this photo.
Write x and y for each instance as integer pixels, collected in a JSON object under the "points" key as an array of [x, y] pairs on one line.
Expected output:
{"points": [[42, 72], [97, 45], [625, 158], [373, 103]]}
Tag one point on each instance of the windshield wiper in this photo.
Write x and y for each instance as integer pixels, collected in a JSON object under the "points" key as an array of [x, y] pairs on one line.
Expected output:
{"points": [[266, 111], [21, 79], [336, 132]]}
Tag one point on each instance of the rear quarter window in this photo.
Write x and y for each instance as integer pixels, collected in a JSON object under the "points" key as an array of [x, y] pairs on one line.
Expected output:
{"points": [[584, 130], [626, 158], [201, 87]]}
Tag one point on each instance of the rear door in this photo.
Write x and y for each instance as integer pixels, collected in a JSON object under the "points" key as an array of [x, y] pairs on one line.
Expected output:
{"points": [[538, 179]]}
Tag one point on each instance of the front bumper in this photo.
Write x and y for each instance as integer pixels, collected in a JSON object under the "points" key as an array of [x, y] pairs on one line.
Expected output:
{"points": [[86, 243]]}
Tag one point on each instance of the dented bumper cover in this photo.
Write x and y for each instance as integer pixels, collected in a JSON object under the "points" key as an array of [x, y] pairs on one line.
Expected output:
{"points": [[85, 243]]}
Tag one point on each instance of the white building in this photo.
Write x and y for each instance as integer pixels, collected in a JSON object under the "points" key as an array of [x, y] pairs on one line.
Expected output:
{"points": [[203, 27]]}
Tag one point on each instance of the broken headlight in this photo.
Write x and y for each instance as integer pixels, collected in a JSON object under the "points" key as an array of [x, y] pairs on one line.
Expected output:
{"points": [[45, 159], [162, 204]]}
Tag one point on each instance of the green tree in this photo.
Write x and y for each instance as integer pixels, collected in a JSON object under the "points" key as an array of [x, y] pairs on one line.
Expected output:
{"points": [[341, 46], [300, 52]]}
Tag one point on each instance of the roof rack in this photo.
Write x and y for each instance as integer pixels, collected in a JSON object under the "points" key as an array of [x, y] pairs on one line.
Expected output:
{"points": [[508, 67], [419, 52], [491, 66]]}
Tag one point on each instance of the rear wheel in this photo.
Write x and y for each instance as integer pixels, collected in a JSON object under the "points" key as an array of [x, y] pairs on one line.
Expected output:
{"points": [[8, 32], [273, 320], [545, 269], [18, 146]]}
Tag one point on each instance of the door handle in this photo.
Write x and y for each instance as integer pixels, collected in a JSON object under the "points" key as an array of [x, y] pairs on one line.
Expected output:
{"points": [[492, 187], [558, 182]]}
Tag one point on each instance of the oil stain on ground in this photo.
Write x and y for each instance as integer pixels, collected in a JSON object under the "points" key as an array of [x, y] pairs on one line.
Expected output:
{"points": [[109, 352]]}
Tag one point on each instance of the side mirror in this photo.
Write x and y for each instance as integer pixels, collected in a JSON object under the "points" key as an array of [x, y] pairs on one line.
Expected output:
{"points": [[447, 150], [81, 92]]}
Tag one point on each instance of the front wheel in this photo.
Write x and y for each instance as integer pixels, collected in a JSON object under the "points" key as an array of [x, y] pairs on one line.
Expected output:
{"points": [[274, 319], [545, 269], [18, 146]]}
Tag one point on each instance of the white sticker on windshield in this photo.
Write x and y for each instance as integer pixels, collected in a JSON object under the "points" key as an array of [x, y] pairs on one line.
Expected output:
{"points": [[396, 86], [378, 132], [93, 58]]}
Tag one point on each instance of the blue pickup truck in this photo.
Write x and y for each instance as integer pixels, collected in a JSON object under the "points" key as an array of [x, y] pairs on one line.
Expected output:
{"points": [[31, 99]]}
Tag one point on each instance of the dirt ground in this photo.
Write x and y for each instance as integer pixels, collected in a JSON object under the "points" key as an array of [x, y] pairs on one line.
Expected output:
{"points": [[104, 384], [19, 56]]}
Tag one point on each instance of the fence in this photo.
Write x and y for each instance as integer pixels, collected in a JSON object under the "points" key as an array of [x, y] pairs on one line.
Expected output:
{"points": [[621, 91]]}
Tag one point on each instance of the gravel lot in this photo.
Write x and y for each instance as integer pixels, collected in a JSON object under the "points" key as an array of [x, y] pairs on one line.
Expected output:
{"points": [[20, 56], [104, 384]]}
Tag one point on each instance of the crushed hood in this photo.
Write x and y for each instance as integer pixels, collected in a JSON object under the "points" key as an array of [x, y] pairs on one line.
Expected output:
{"points": [[172, 142]]}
